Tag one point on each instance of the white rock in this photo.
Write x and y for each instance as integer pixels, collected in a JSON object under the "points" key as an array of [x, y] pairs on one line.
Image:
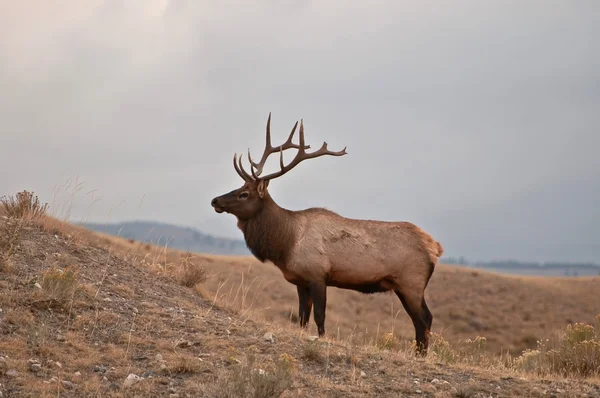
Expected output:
{"points": [[37, 285], [77, 374], [58, 365], [131, 380], [312, 338], [435, 381], [269, 337], [363, 374], [12, 373], [68, 385], [159, 358]]}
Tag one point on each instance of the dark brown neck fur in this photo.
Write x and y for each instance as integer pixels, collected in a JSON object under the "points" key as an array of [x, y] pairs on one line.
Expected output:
{"points": [[271, 233]]}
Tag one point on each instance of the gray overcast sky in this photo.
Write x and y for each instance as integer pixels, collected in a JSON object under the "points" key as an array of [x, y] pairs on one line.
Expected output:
{"points": [[477, 120]]}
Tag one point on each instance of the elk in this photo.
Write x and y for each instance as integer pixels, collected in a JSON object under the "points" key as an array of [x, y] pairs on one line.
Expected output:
{"points": [[316, 248]]}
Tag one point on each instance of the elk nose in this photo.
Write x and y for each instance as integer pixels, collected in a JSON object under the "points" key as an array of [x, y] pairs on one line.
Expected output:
{"points": [[213, 203]]}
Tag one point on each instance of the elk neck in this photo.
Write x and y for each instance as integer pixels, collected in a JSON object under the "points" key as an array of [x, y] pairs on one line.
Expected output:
{"points": [[271, 233]]}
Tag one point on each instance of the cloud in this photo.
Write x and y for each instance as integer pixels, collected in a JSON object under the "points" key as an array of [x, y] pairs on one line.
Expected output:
{"points": [[451, 111]]}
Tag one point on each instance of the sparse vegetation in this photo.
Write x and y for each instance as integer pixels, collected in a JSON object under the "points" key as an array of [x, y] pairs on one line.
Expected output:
{"points": [[24, 205], [575, 353], [312, 351], [188, 273], [248, 381], [99, 315], [58, 287]]}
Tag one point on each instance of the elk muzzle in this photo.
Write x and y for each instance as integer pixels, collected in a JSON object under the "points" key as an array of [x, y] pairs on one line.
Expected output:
{"points": [[217, 205]]}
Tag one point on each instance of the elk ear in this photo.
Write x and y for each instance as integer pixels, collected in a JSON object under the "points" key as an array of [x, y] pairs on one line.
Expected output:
{"points": [[262, 188]]}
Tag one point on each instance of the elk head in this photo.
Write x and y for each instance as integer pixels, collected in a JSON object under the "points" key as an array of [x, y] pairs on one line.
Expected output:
{"points": [[248, 200]]}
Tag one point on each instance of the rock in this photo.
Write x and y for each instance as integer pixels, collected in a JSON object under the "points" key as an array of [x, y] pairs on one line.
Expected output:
{"points": [[105, 379], [60, 337], [419, 391], [159, 358], [99, 369], [58, 365], [35, 367], [149, 374], [163, 366], [12, 373], [68, 385], [77, 375], [131, 380], [312, 338], [270, 337], [435, 381], [173, 396], [363, 374], [417, 382], [37, 285], [107, 299]]}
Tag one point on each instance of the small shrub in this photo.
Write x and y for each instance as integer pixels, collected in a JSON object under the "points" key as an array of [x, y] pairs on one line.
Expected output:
{"points": [[10, 235], [387, 342], [576, 353], [441, 349], [59, 286], [188, 273], [311, 351], [183, 365], [248, 382], [24, 205]]}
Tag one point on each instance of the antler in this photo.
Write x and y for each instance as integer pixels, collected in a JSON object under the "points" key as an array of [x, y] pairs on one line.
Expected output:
{"points": [[300, 156], [269, 149]]}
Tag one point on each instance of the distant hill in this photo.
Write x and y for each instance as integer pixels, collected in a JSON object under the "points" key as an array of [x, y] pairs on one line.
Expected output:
{"points": [[191, 239], [176, 237], [531, 268]]}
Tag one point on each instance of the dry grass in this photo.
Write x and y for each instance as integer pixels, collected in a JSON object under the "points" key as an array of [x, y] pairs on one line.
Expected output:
{"points": [[58, 287], [24, 205], [131, 309], [248, 381], [576, 353], [188, 273]]}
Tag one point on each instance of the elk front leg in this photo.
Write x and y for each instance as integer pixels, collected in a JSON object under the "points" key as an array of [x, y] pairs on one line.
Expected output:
{"points": [[318, 292], [305, 304]]}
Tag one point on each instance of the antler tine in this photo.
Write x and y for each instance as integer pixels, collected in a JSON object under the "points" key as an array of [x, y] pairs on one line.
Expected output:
{"points": [[237, 164], [269, 149], [302, 155]]}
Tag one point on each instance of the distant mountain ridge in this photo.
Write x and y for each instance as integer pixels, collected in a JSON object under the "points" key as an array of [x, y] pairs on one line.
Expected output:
{"points": [[174, 236]]}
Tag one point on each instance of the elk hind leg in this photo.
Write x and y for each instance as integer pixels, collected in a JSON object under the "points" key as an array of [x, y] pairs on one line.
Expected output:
{"points": [[416, 307], [318, 292]]}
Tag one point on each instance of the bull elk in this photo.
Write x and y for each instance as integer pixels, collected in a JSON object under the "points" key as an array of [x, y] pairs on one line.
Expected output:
{"points": [[315, 248]]}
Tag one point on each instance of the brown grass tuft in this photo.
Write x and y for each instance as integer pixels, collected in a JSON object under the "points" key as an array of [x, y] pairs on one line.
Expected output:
{"points": [[575, 353], [58, 287], [246, 381], [24, 205], [188, 273]]}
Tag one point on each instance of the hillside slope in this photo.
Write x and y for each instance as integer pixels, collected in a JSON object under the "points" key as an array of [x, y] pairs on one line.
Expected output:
{"points": [[118, 327], [182, 238], [512, 312]]}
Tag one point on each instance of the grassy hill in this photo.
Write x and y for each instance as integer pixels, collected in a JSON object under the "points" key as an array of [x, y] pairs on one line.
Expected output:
{"points": [[182, 238], [87, 314]]}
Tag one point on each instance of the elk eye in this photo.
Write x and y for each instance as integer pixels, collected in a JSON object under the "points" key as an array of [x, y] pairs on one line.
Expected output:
{"points": [[243, 196]]}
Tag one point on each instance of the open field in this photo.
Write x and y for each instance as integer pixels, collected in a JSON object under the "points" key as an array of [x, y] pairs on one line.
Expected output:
{"points": [[512, 312], [82, 312]]}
